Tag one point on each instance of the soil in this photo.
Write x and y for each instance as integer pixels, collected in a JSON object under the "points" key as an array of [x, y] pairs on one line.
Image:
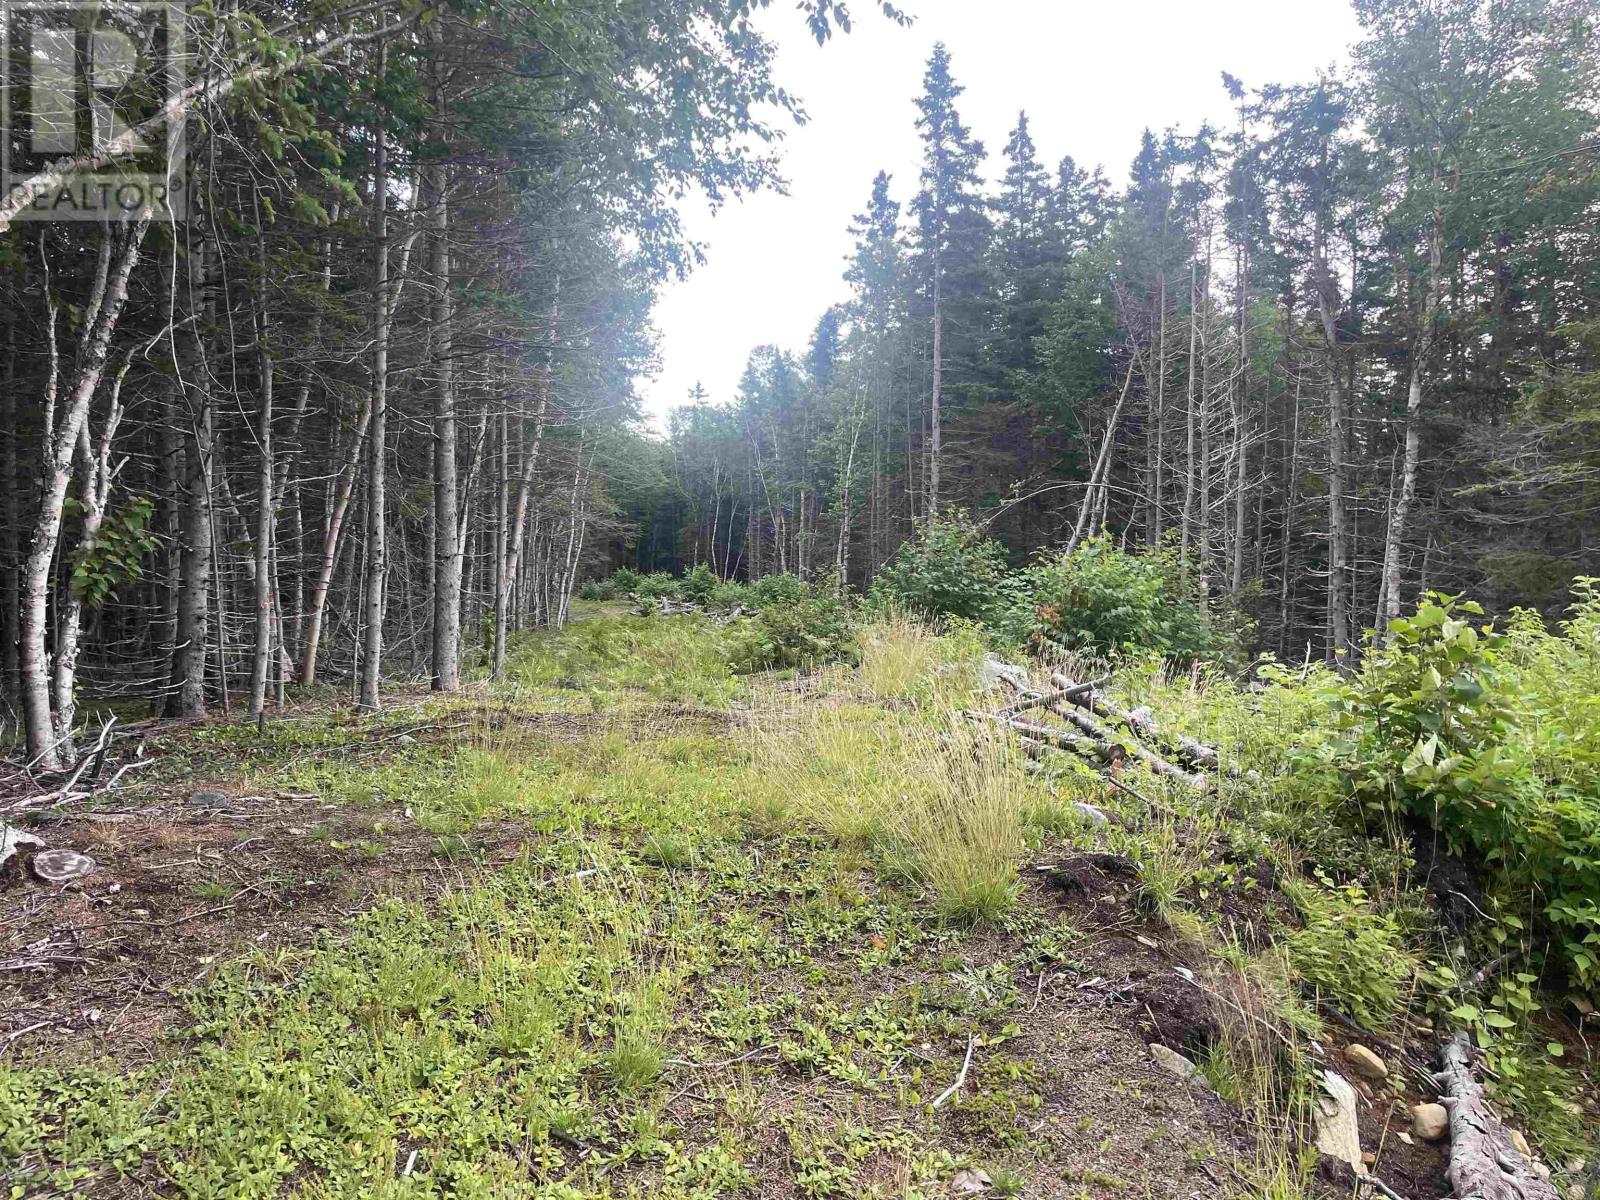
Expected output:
{"points": [[97, 970]]}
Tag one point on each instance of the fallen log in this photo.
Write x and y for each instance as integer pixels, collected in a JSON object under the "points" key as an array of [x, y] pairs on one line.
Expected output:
{"points": [[1066, 739], [1094, 729], [1196, 753], [1484, 1164]]}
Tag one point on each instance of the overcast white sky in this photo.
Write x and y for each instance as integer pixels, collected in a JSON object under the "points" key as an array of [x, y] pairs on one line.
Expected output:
{"points": [[1090, 73]]}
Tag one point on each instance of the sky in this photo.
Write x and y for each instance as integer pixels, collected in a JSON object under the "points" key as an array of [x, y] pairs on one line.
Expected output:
{"points": [[1091, 76]]}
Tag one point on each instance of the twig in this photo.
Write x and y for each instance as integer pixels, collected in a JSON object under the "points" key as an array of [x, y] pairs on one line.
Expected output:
{"points": [[725, 1062], [972, 1041], [13, 1037], [1372, 1181]]}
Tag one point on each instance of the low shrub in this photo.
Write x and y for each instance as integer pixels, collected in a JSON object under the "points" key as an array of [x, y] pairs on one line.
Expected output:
{"points": [[815, 627], [697, 586], [1104, 601], [1348, 950], [1490, 739], [598, 589], [624, 580], [658, 585], [950, 569]]}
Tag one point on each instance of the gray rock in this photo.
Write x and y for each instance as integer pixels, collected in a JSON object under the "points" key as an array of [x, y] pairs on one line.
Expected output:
{"points": [[1171, 1061], [970, 1181], [1091, 814], [1338, 1135], [59, 866], [995, 669], [208, 799], [1430, 1122], [1365, 1063]]}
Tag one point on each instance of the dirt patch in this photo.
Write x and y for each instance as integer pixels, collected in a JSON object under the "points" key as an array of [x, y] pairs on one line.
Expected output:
{"points": [[1099, 888], [98, 967]]}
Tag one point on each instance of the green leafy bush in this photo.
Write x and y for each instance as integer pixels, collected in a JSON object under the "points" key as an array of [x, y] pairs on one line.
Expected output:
{"points": [[624, 580], [950, 569], [1105, 601], [598, 589], [1348, 950], [656, 585], [815, 628], [776, 589], [698, 584], [1493, 740]]}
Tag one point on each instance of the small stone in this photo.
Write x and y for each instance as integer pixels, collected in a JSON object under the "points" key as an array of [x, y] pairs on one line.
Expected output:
{"points": [[1430, 1122], [1520, 1142], [1091, 814], [1540, 1169], [970, 1181], [208, 799], [1147, 943], [1171, 1061], [297, 831], [1575, 1191], [1405, 1137], [1365, 1063], [59, 866], [1368, 1157], [1575, 1166]]}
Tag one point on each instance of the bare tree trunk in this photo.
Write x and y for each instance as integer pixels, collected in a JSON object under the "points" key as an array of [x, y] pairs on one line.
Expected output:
{"points": [[10, 531], [1102, 461], [94, 491], [936, 430], [1392, 543], [377, 530], [530, 461], [1241, 423], [447, 545], [1187, 533], [261, 659], [60, 434]]}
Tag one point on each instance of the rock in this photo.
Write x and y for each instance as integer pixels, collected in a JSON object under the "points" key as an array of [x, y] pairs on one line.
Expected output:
{"points": [[1575, 1191], [11, 839], [1584, 1005], [1540, 1169], [60, 866], [1090, 813], [1575, 1166], [1338, 1135], [1430, 1122], [970, 1181], [1171, 1061], [1520, 1142], [994, 670], [1405, 1137], [1365, 1063], [207, 799]]}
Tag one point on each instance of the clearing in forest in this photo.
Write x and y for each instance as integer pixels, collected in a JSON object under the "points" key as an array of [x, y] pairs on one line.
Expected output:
{"points": [[630, 925]]}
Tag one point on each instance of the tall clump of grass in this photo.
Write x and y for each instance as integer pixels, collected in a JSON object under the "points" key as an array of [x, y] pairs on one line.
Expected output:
{"points": [[938, 800], [903, 659], [967, 832], [1258, 1061]]}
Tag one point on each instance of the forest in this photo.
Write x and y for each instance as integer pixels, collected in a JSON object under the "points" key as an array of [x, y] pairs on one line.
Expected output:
{"points": [[1116, 712]]}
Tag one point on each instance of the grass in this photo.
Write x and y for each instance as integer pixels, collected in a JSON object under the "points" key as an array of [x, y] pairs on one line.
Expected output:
{"points": [[723, 954]]}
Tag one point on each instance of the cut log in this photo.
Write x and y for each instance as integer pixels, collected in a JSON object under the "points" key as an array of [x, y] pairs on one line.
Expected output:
{"points": [[1484, 1164], [1194, 752], [1094, 729], [1091, 748]]}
